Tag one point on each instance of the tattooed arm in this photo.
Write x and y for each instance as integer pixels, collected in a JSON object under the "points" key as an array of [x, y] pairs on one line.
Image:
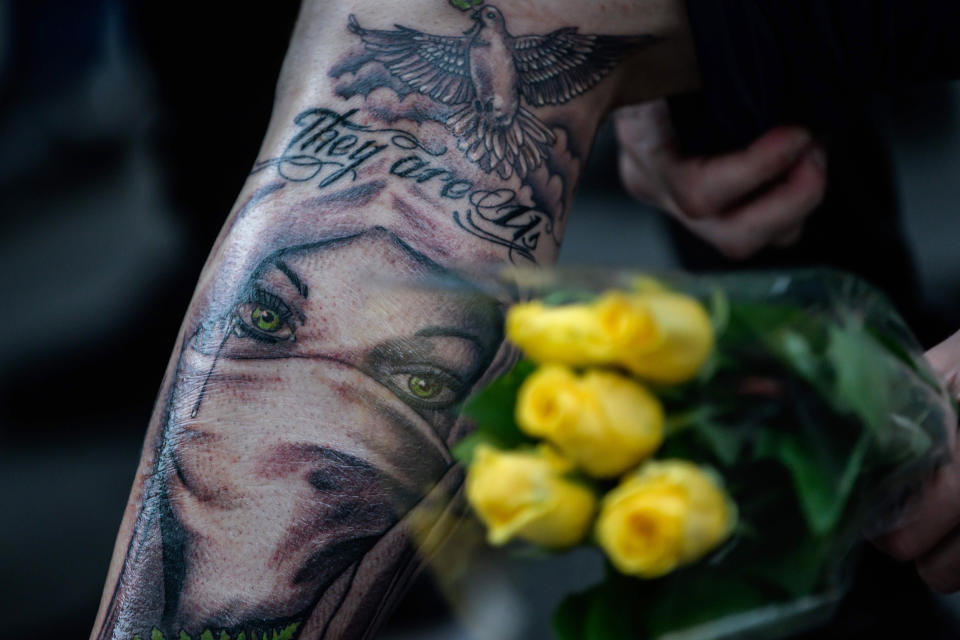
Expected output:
{"points": [[307, 414]]}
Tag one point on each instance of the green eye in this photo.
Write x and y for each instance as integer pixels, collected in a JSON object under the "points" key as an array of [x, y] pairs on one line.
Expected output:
{"points": [[265, 319], [424, 387]]}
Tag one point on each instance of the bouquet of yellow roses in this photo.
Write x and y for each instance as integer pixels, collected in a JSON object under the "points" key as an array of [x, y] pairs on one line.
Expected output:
{"points": [[725, 442]]}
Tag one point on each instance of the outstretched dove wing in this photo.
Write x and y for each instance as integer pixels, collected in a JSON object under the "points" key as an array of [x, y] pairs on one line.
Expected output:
{"points": [[559, 66], [437, 66]]}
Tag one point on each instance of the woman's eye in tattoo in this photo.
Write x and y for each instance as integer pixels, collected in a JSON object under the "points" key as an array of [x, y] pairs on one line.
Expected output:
{"points": [[426, 387], [265, 317]]}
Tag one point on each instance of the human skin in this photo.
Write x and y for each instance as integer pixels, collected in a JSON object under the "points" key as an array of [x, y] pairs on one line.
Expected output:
{"points": [[302, 435], [738, 202], [320, 488], [930, 538]]}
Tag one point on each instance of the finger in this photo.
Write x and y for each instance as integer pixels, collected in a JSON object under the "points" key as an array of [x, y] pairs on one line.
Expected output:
{"points": [[790, 237], [945, 360], [705, 187], [645, 129], [638, 183], [772, 216], [646, 147], [937, 509], [941, 567], [935, 514]]}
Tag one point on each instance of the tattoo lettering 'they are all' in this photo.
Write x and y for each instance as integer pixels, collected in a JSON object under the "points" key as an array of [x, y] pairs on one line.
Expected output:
{"points": [[329, 148]]}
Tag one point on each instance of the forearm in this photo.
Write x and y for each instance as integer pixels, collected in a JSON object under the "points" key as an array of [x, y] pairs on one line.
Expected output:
{"points": [[310, 405]]}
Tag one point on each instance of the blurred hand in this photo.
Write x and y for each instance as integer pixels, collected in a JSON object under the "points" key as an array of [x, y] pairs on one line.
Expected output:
{"points": [[932, 537], [738, 202]]}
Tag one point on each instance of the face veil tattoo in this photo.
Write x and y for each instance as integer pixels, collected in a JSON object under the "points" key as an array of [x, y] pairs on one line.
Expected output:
{"points": [[345, 404]]}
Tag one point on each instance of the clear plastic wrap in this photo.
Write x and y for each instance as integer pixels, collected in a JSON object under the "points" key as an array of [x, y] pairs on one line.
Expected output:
{"points": [[817, 410]]}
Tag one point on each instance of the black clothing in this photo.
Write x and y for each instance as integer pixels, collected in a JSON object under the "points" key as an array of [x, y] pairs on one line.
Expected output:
{"points": [[769, 62]]}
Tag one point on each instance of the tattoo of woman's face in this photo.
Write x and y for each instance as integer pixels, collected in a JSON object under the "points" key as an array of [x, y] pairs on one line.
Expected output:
{"points": [[322, 417]]}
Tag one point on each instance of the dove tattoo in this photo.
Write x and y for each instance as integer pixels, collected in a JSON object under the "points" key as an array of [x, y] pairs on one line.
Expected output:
{"points": [[485, 76]]}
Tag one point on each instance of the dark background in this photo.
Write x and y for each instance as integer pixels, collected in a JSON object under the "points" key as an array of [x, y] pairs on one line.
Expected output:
{"points": [[126, 131]]}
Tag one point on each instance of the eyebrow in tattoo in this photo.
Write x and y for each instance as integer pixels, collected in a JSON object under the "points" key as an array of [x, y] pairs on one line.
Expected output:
{"points": [[293, 277], [451, 332]]}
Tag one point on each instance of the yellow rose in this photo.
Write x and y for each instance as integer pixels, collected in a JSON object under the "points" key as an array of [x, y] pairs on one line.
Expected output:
{"points": [[523, 494], [604, 422], [658, 335], [568, 334], [667, 514], [627, 324], [686, 338]]}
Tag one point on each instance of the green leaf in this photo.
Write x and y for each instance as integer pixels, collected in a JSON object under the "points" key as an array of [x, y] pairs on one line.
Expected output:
{"points": [[287, 632], [791, 334], [184, 636], [679, 447], [796, 351], [863, 375], [569, 620], [873, 382], [721, 441], [725, 443], [680, 421], [747, 320], [464, 5], [903, 353], [157, 635], [463, 450], [823, 473], [691, 598], [492, 408], [599, 613], [607, 616], [719, 310], [206, 635], [798, 568]]}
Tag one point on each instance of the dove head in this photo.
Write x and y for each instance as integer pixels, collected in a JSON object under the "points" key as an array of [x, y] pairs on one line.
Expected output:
{"points": [[487, 17]]}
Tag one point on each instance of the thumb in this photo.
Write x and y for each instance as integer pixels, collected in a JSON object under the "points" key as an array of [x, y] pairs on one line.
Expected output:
{"points": [[945, 360]]}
